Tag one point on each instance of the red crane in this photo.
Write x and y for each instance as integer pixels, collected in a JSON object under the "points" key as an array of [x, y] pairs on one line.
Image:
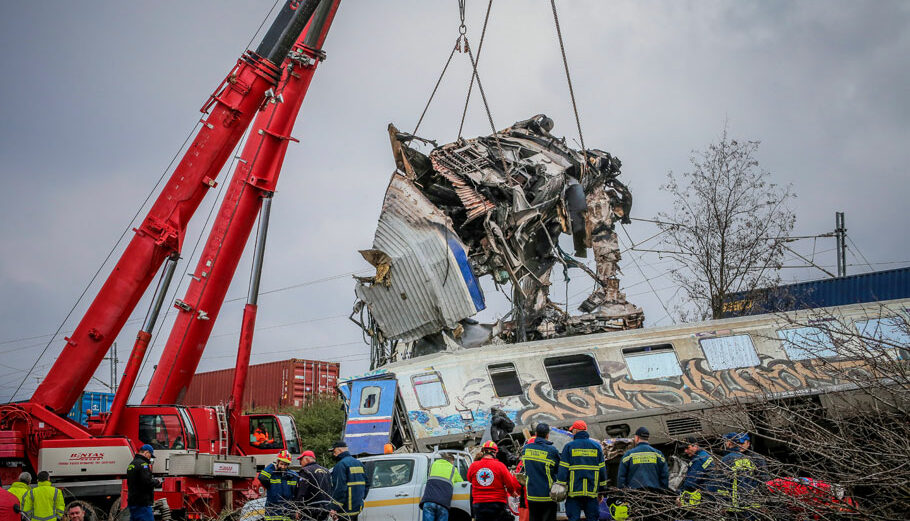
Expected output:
{"points": [[253, 182], [270, 82]]}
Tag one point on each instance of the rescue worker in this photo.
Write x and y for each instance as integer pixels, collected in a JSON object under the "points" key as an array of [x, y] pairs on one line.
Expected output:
{"points": [[741, 477], [46, 500], [20, 489], [261, 438], [643, 468], [541, 464], [437, 495], [10, 509], [314, 487], [491, 486], [280, 484], [350, 484], [699, 483], [140, 485], [581, 465]]}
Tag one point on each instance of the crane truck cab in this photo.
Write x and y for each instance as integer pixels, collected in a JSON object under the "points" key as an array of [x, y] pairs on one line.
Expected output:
{"points": [[171, 429]]}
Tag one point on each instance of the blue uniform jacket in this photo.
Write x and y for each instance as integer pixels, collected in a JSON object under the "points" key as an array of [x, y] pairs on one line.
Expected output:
{"points": [[739, 475], [643, 467], [349, 484], [541, 463], [700, 473], [280, 488], [581, 467]]}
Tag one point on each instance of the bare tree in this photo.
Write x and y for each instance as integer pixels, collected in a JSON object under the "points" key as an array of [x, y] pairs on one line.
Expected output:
{"points": [[728, 224]]}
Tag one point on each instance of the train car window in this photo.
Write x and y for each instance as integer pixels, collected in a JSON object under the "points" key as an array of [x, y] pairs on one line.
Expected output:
{"points": [[649, 362], [572, 371], [430, 391], [805, 343], [885, 333], [729, 352], [505, 379], [369, 400]]}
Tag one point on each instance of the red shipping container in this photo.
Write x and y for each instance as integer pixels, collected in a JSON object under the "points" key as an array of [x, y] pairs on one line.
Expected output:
{"points": [[288, 383]]}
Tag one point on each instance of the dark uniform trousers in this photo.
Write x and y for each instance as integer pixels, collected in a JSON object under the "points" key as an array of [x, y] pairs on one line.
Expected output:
{"points": [[542, 510]]}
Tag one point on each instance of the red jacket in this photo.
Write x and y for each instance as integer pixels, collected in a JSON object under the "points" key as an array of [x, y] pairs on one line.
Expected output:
{"points": [[9, 506], [491, 481]]}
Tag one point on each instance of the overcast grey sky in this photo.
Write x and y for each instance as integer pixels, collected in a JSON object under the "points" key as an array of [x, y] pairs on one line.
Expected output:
{"points": [[99, 95]]}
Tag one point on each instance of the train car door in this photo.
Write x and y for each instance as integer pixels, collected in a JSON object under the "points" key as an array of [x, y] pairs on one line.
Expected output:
{"points": [[369, 423]]}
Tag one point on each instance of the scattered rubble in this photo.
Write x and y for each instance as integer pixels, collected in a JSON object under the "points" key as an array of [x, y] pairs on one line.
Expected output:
{"points": [[494, 205]]}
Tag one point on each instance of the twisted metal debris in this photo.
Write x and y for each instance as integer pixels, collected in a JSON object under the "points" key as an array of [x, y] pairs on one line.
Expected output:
{"points": [[493, 205]]}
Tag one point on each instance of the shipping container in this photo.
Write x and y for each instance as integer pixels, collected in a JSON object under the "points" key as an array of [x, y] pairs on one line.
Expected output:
{"points": [[288, 383], [91, 404], [854, 289]]}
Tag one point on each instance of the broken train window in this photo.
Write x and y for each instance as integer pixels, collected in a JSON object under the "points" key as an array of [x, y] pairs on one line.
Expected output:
{"points": [[648, 362], [505, 379], [369, 400], [729, 352], [572, 371], [429, 390]]}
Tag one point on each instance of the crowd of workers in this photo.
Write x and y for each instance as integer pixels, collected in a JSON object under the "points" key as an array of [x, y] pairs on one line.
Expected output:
{"points": [[544, 476], [578, 475], [315, 493]]}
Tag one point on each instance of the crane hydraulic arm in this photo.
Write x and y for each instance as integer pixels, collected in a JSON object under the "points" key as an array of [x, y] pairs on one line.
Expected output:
{"points": [[254, 179], [230, 109]]}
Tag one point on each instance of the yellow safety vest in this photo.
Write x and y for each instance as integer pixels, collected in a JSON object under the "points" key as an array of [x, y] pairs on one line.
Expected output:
{"points": [[46, 502]]}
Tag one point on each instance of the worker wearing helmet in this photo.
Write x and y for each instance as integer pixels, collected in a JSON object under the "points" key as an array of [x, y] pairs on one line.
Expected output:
{"points": [[742, 475], [350, 484], [491, 485], [280, 484], [583, 471]]}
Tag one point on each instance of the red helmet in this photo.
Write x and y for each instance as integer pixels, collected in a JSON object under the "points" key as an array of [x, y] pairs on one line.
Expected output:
{"points": [[489, 446], [284, 456]]}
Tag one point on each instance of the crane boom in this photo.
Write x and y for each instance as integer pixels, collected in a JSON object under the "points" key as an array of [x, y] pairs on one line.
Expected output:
{"points": [[256, 176], [230, 109]]}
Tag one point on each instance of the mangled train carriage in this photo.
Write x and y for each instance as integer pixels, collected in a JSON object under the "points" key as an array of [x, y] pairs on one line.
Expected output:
{"points": [[674, 380]]}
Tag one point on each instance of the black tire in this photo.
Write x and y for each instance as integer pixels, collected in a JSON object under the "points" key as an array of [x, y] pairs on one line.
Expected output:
{"points": [[117, 513]]}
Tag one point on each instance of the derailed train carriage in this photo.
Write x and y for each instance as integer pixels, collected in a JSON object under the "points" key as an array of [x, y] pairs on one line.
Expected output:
{"points": [[670, 379]]}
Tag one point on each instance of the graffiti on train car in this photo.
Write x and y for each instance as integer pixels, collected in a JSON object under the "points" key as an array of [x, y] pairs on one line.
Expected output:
{"points": [[619, 393]]}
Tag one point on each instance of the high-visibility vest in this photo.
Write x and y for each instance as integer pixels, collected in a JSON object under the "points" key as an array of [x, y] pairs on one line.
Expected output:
{"points": [[47, 502]]}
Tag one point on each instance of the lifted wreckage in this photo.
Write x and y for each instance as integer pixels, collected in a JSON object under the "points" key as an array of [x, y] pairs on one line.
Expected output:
{"points": [[493, 205]]}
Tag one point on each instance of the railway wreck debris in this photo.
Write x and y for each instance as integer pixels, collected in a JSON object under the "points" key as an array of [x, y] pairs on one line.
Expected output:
{"points": [[493, 205]]}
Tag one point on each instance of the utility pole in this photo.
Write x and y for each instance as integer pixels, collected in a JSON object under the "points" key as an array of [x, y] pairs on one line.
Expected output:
{"points": [[840, 232]]}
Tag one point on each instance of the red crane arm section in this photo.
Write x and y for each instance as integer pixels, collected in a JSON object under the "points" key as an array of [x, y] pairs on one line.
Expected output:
{"points": [[232, 108], [257, 172]]}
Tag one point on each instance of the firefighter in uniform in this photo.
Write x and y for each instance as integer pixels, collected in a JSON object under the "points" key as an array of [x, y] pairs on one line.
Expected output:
{"points": [[350, 484], [742, 474], [280, 484], [491, 486], [582, 468], [541, 463], [699, 483], [643, 467]]}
